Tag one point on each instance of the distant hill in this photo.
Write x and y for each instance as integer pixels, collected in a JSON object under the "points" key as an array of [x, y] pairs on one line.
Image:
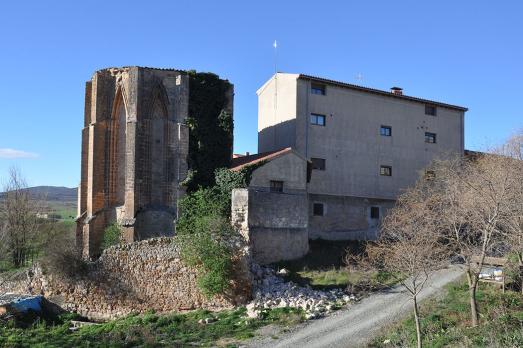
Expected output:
{"points": [[53, 193]]}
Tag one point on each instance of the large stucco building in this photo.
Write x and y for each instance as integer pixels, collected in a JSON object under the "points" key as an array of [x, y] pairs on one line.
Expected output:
{"points": [[365, 146]]}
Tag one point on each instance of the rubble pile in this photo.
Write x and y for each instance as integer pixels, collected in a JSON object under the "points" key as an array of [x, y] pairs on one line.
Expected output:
{"points": [[272, 291]]}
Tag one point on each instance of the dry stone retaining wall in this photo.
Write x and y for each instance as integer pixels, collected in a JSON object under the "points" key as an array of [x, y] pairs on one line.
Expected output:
{"points": [[134, 278]]}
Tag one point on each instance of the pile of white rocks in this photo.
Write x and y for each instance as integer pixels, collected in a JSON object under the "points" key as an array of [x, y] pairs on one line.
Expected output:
{"points": [[270, 290]]}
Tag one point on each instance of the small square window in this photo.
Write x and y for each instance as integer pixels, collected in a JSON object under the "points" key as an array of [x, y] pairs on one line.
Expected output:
{"points": [[386, 131], [318, 119], [430, 110], [374, 212], [318, 163], [317, 209], [386, 170], [276, 186], [318, 88], [430, 138]]}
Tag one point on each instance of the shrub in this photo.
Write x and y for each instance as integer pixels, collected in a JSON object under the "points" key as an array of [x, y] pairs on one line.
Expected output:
{"points": [[61, 257], [209, 246], [112, 236], [204, 234]]}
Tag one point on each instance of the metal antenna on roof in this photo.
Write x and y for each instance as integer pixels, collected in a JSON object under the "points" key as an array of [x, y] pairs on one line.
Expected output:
{"points": [[359, 78], [275, 45]]}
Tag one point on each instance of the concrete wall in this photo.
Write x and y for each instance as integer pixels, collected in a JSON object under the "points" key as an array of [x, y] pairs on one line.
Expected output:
{"points": [[274, 224], [345, 218], [277, 113], [354, 149]]}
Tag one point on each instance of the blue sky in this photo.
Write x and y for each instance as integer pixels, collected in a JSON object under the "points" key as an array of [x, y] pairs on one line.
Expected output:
{"points": [[468, 53]]}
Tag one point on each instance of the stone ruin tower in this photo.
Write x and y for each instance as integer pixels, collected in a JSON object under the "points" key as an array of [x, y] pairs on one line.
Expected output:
{"points": [[135, 151]]}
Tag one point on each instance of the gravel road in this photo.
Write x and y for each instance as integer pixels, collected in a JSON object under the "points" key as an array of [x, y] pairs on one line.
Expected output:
{"points": [[359, 324]]}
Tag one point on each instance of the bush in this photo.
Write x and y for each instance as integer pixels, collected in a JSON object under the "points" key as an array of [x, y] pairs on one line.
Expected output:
{"points": [[61, 257], [112, 236], [204, 233], [209, 247]]}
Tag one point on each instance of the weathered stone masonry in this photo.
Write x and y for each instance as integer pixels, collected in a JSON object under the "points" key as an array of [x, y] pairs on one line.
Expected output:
{"points": [[133, 278], [135, 145]]}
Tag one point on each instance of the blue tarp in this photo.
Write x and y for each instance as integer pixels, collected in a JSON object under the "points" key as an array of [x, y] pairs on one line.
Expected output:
{"points": [[29, 303]]}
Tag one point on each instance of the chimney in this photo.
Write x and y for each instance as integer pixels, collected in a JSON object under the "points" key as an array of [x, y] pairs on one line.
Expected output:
{"points": [[247, 154], [396, 90]]}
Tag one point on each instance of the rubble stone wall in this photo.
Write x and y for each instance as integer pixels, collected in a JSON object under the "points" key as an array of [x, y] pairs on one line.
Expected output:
{"points": [[134, 278]]}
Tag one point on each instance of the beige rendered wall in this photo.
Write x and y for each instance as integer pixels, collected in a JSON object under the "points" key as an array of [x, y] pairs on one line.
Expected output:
{"points": [[353, 148], [289, 168], [277, 113]]}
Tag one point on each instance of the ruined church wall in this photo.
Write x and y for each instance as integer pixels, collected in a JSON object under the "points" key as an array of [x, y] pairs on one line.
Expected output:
{"points": [[134, 278]]}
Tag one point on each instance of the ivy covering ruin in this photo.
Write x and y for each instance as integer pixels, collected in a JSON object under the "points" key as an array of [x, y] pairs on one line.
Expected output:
{"points": [[211, 126], [206, 238]]}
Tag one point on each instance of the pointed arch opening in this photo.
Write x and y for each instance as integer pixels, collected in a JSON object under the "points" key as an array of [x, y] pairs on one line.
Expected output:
{"points": [[158, 138], [118, 150]]}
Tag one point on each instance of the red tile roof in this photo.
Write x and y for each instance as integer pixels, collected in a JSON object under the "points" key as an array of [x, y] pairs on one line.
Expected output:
{"points": [[241, 162]]}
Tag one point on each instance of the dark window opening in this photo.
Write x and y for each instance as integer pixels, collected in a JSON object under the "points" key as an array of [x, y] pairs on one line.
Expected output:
{"points": [[276, 186], [430, 110], [317, 209], [318, 163], [318, 119], [317, 88], [386, 170], [374, 212], [386, 131], [430, 138]]}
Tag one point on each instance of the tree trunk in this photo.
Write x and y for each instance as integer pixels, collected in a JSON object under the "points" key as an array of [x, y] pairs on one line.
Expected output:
{"points": [[520, 274], [472, 283], [473, 303], [416, 319]]}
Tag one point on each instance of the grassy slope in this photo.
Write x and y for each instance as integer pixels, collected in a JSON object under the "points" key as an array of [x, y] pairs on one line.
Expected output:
{"points": [[446, 321], [323, 268], [150, 330], [61, 201]]}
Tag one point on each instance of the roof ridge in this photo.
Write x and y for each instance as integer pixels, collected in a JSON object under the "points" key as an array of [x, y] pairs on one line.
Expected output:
{"points": [[380, 92]]}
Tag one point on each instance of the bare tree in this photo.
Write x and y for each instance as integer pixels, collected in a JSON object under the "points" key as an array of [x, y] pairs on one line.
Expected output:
{"points": [[18, 219], [513, 226], [513, 148], [409, 246], [476, 199]]}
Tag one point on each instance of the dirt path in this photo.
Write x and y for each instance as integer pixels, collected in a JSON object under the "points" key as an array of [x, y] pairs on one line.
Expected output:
{"points": [[359, 324]]}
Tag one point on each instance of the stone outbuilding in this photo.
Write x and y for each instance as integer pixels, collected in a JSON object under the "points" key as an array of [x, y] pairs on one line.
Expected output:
{"points": [[272, 213]]}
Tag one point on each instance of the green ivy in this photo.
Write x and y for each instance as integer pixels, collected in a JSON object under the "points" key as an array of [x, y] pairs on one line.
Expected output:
{"points": [[204, 233], [210, 128], [112, 236], [209, 247]]}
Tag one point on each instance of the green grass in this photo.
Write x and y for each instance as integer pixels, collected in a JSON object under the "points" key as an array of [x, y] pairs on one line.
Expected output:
{"points": [[323, 268], [7, 269], [66, 210], [446, 321], [150, 330]]}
